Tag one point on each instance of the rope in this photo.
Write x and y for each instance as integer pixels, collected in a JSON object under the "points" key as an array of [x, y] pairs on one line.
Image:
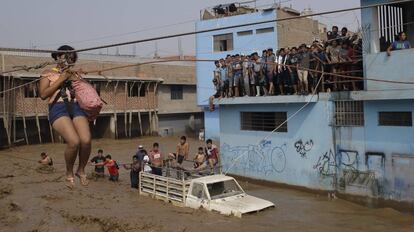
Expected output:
{"points": [[205, 31], [100, 71]]}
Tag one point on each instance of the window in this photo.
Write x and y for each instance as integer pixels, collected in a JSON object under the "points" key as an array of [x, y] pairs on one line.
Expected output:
{"points": [[243, 33], [198, 191], [349, 113], [263, 121], [265, 30], [176, 92], [31, 90], [395, 119], [393, 19], [223, 189], [134, 89], [223, 42]]}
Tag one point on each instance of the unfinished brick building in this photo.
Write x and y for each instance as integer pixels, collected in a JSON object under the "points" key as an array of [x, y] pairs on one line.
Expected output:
{"points": [[131, 95]]}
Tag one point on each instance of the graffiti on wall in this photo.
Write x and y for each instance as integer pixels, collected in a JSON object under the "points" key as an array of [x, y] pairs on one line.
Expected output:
{"points": [[326, 164], [348, 159], [303, 147], [262, 159]]}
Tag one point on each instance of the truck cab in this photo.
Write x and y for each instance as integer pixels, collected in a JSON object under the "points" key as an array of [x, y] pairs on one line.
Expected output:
{"points": [[222, 194]]}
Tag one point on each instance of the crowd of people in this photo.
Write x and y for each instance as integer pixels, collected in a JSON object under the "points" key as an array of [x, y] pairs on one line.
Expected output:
{"points": [[155, 161], [294, 70]]}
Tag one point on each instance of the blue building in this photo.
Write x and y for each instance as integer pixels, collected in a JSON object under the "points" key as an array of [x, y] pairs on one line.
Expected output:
{"points": [[217, 44], [242, 40], [357, 143]]}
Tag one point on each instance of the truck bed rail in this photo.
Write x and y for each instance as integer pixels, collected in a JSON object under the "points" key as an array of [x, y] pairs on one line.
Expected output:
{"points": [[164, 188]]}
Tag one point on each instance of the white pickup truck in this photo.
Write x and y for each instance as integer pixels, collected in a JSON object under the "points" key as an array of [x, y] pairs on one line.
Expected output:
{"points": [[218, 193]]}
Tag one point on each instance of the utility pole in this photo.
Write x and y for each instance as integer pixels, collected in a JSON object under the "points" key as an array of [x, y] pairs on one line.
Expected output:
{"points": [[156, 50], [180, 49], [134, 49]]}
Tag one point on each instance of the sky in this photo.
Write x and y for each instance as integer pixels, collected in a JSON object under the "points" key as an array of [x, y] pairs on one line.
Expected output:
{"points": [[86, 23]]}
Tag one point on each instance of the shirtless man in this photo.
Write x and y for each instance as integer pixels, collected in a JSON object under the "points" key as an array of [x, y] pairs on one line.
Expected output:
{"points": [[45, 159], [199, 158], [46, 164], [156, 159], [182, 150]]}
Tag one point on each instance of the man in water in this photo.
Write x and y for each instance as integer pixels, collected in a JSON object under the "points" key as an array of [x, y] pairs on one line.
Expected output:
{"points": [[112, 167], [135, 168], [99, 169], [46, 163], [45, 159]]}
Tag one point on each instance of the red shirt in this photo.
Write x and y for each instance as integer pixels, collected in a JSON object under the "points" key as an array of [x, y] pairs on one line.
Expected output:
{"points": [[212, 153], [113, 171]]}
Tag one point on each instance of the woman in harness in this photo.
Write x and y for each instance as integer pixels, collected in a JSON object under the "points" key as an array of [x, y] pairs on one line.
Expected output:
{"points": [[65, 115]]}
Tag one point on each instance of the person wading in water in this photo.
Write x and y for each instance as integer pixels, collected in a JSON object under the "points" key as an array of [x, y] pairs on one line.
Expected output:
{"points": [[65, 114]]}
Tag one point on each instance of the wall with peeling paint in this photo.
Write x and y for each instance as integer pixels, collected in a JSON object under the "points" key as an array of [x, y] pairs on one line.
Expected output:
{"points": [[384, 155]]}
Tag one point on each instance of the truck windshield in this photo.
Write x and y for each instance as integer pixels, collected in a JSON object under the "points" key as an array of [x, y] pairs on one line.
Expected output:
{"points": [[223, 189]]}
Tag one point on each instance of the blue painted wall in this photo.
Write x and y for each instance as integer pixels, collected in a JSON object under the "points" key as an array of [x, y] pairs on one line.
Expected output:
{"points": [[386, 151], [383, 67], [295, 157], [212, 125], [371, 160]]}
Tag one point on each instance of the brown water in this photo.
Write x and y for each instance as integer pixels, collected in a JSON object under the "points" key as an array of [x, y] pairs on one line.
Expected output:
{"points": [[34, 201]]}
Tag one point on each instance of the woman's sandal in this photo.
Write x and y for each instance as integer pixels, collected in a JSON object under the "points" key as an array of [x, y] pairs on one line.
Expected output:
{"points": [[70, 182], [83, 179]]}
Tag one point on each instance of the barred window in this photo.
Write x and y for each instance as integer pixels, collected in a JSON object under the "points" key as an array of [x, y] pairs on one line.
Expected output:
{"points": [[176, 92], [243, 33], [349, 113], [223, 42], [263, 121], [395, 119], [265, 30]]}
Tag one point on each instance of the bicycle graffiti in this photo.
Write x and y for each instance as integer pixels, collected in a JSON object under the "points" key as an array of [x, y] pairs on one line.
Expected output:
{"points": [[260, 159]]}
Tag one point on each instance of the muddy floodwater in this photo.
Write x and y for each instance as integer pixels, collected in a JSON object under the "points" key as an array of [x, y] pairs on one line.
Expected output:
{"points": [[31, 200]]}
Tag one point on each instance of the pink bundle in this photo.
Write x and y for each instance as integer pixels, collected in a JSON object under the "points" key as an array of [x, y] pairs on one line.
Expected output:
{"points": [[87, 98]]}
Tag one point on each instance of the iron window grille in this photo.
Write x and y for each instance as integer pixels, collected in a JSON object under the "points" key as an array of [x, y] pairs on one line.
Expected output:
{"points": [[349, 113], [395, 119], [263, 121]]}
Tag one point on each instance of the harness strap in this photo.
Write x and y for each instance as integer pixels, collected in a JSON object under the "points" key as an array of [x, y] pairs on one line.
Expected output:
{"points": [[67, 85]]}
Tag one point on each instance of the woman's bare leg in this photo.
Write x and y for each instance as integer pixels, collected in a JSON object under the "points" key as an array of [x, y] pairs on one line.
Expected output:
{"points": [[65, 128], [82, 128]]}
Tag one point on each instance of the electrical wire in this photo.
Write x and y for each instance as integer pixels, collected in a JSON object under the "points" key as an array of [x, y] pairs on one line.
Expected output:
{"points": [[207, 30], [100, 71]]}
